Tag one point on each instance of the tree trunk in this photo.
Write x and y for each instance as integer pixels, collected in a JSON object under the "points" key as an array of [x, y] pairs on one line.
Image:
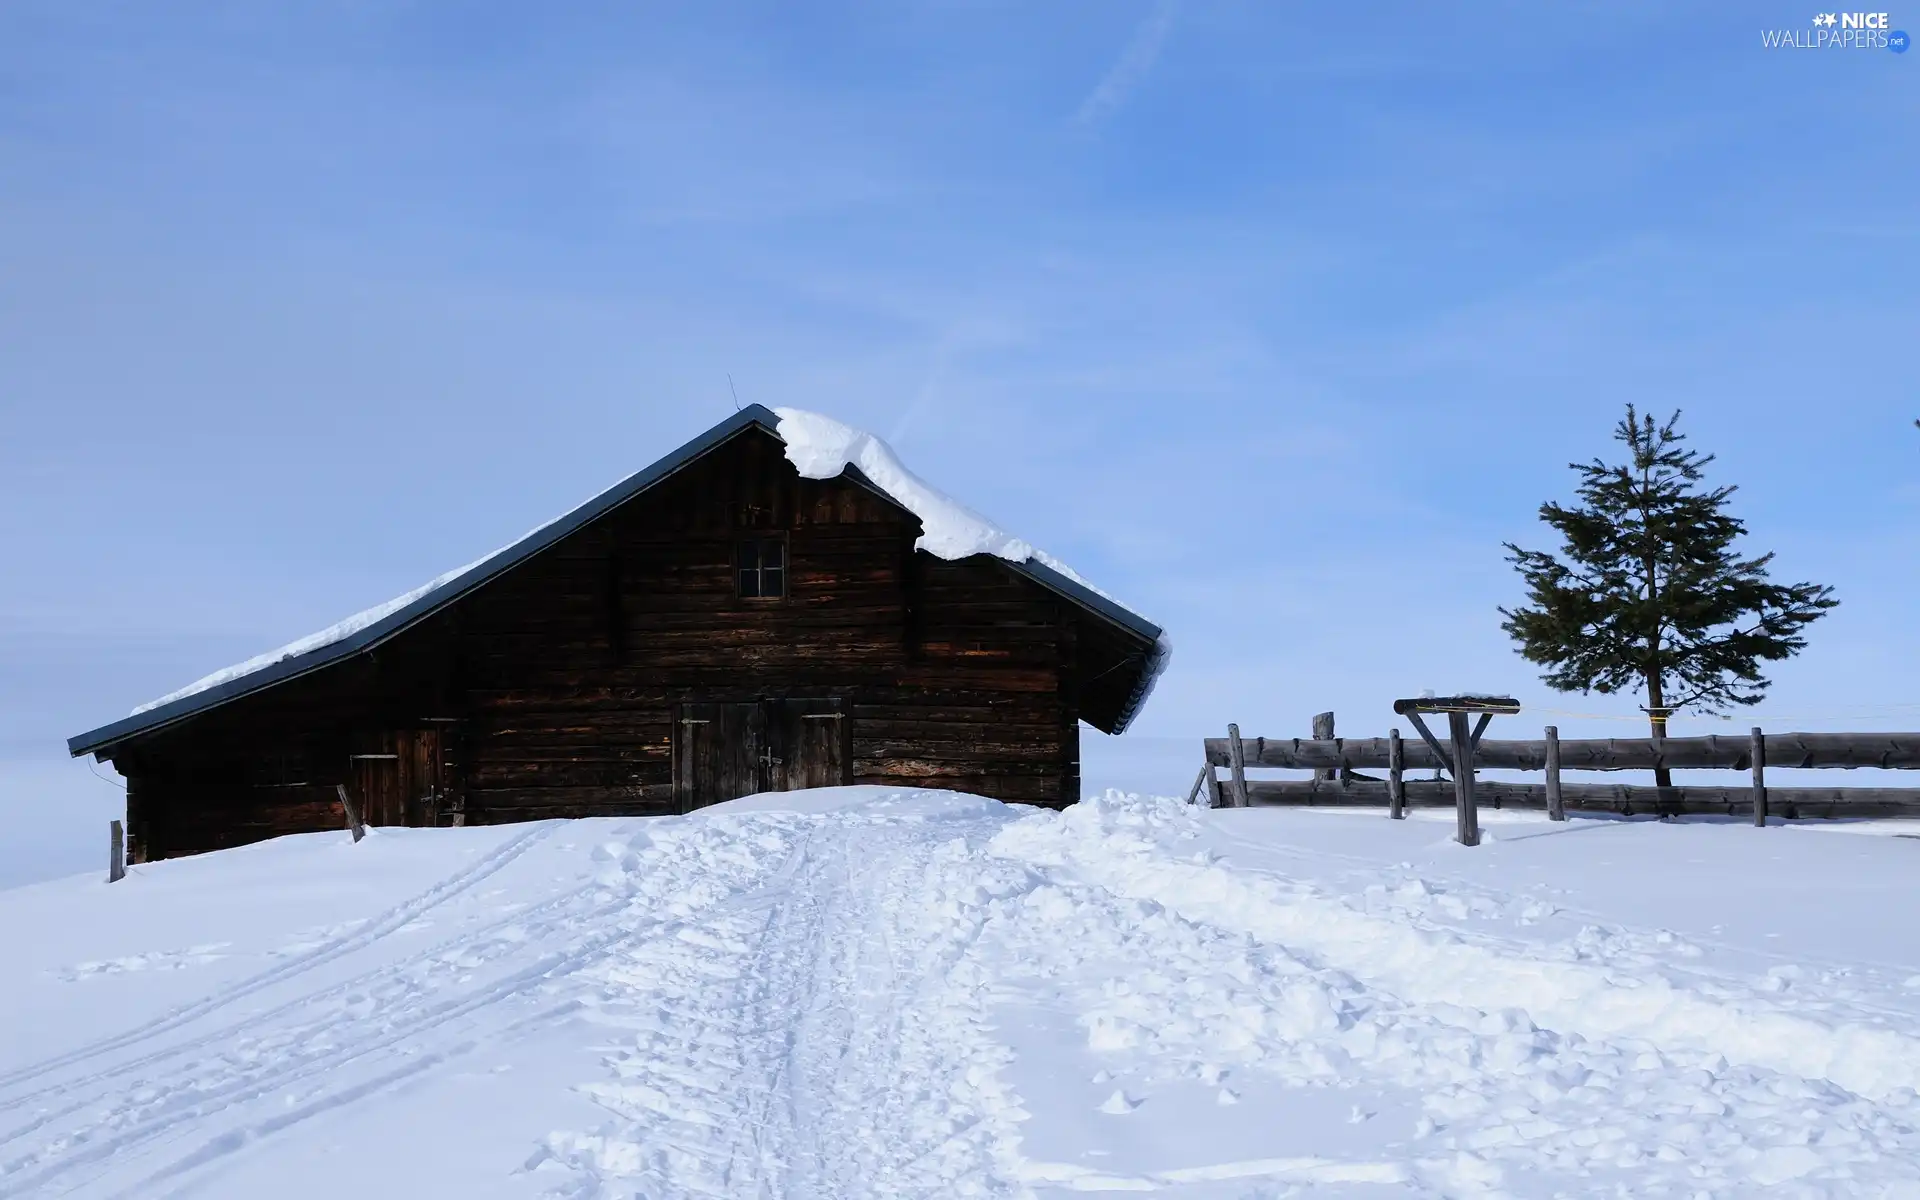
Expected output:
{"points": [[1656, 694], [1657, 718]]}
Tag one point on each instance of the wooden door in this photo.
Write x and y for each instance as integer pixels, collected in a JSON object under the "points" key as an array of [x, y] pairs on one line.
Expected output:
{"points": [[422, 776], [719, 753], [809, 740], [375, 783], [398, 778]]}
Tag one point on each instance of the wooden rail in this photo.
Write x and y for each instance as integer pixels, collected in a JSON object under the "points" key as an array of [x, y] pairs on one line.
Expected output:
{"points": [[1334, 762], [1622, 799], [1898, 751]]}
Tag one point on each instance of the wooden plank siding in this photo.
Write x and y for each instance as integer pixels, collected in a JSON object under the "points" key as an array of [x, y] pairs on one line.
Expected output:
{"points": [[552, 690]]}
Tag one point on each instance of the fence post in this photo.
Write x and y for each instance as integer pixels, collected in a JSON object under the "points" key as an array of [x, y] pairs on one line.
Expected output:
{"points": [[116, 852], [1323, 732], [1556, 806], [1238, 757], [353, 814], [1199, 781], [1466, 812], [1757, 751], [1396, 772]]}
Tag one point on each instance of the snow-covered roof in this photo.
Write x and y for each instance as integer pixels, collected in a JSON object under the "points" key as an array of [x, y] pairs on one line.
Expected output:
{"points": [[819, 448], [339, 631]]}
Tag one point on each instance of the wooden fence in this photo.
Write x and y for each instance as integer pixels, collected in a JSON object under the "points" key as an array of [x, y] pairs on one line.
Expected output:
{"points": [[1336, 763]]}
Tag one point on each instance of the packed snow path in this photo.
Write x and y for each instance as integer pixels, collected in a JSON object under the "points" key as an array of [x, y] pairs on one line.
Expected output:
{"points": [[857, 993]]}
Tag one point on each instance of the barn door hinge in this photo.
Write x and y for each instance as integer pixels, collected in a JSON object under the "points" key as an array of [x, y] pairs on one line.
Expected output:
{"points": [[822, 716]]}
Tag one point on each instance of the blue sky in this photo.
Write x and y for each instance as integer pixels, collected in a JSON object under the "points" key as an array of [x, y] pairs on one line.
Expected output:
{"points": [[1274, 323]]}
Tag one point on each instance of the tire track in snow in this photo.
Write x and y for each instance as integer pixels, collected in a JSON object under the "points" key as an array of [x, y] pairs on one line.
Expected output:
{"points": [[366, 935]]}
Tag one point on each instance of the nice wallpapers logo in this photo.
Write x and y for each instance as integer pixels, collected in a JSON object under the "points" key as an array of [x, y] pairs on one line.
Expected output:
{"points": [[1840, 31]]}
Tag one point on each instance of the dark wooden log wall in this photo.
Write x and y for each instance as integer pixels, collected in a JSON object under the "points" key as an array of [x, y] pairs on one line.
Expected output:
{"points": [[952, 671], [552, 691], [271, 765]]}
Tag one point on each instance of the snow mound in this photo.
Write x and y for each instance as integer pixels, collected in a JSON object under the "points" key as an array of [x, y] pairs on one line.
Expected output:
{"points": [[865, 799]]}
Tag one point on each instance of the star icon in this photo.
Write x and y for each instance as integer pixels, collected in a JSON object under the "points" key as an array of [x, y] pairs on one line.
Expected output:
{"points": [[1826, 20]]}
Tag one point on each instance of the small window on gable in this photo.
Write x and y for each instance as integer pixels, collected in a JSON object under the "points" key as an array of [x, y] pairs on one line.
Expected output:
{"points": [[760, 571]]}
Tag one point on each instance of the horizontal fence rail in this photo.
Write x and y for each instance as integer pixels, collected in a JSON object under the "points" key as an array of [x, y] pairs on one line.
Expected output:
{"points": [[1335, 764], [1622, 799], [1897, 751]]}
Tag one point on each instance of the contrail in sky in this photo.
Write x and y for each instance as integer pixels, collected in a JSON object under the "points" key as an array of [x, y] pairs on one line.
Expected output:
{"points": [[1131, 67]]}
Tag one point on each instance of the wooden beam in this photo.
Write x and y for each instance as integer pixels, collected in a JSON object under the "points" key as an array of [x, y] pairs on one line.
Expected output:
{"points": [[616, 614], [1199, 781], [1891, 750], [1396, 779], [1323, 732], [911, 596], [1757, 753], [353, 813], [1213, 790], [1556, 804], [1440, 756], [116, 852], [1616, 798], [1894, 751], [1480, 727], [1466, 815], [1239, 766], [1454, 704]]}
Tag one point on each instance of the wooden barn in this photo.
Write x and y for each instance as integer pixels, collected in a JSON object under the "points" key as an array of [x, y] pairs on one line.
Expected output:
{"points": [[715, 625]]}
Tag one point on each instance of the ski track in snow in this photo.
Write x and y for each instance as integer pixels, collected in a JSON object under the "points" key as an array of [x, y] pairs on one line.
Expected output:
{"points": [[329, 949], [820, 1046], [819, 1005]]}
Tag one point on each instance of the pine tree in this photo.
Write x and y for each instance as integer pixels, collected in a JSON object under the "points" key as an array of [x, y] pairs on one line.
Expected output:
{"points": [[1648, 593]]}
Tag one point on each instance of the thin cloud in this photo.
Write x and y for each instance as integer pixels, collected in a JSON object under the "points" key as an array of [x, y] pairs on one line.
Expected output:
{"points": [[1142, 51]]}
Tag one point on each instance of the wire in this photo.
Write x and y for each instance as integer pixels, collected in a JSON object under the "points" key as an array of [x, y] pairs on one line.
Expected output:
{"points": [[104, 779], [1866, 712], [1863, 713]]}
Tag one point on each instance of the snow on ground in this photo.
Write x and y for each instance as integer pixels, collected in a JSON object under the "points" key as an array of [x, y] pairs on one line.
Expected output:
{"points": [[863, 993]]}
